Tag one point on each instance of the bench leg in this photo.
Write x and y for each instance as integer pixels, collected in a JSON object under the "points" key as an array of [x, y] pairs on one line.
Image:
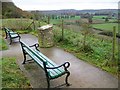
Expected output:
{"points": [[19, 38], [24, 57], [6, 37], [66, 79], [10, 41], [48, 82]]}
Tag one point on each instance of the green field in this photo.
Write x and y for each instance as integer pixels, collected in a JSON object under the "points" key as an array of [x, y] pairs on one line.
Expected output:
{"points": [[99, 17], [58, 21], [102, 18], [106, 26]]}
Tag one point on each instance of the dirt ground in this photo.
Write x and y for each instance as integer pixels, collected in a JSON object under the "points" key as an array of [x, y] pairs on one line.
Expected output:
{"points": [[82, 74]]}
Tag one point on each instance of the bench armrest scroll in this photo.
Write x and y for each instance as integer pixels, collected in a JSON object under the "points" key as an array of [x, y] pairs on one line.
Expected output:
{"points": [[65, 65], [36, 46]]}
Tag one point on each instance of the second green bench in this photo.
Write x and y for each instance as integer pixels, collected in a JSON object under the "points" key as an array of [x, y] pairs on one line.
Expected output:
{"points": [[11, 34]]}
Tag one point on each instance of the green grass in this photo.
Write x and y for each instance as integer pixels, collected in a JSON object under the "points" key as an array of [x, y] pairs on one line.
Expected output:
{"points": [[12, 76], [102, 18], [99, 17], [20, 24], [101, 49], [106, 26], [16, 23], [58, 21], [55, 21], [3, 45]]}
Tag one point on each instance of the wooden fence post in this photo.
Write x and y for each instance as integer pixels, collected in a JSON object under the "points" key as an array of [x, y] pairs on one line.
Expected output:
{"points": [[114, 43], [62, 29], [34, 24], [48, 19], [39, 23], [21, 23]]}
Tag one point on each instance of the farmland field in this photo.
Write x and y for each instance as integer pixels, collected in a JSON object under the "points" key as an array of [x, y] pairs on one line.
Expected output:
{"points": [[99, 17], [58, 21], [106, 26]]}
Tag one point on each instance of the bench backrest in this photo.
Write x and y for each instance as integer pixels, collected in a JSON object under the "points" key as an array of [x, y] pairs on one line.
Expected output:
{"points": [[32, 51], [7, 30], [39, 55]]}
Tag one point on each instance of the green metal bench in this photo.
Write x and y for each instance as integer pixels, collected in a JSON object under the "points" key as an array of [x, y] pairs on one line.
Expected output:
{"points": [[51, 69], [11, 34]]}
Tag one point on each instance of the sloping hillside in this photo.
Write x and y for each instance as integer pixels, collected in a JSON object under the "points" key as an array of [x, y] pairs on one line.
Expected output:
{"points": [[9, 10]]}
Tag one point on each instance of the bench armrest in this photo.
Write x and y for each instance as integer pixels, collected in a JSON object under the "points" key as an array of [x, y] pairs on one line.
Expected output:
{"points": [[65, 65], [36, 46]]}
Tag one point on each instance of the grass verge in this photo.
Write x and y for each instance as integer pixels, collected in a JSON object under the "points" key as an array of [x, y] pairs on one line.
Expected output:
{"points": [[3, 45], [12, 77]]}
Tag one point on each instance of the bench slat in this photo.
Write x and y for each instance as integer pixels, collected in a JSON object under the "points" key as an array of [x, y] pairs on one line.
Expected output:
{"points": [[34, 57], [51, 64], [55, 75], [14, 35], [52, 72]]}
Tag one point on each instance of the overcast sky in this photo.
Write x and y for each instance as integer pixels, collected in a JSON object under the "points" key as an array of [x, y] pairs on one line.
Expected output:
{"points": [[66, 4]]}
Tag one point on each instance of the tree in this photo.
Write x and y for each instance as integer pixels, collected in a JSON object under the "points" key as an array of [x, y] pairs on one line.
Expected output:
{"points": [[36, 15], [106, 19], [48, 20], [90, 19]]}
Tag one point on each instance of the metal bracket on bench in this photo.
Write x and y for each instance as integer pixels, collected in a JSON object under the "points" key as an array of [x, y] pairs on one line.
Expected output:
{"points": [[36, 46], [66, 65]]}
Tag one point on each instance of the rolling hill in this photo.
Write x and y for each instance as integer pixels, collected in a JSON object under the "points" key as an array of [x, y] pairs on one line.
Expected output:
{"points": [[9, 10]]}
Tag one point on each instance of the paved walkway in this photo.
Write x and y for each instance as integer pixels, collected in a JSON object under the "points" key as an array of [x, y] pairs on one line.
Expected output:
{"points": [[83, 75]]}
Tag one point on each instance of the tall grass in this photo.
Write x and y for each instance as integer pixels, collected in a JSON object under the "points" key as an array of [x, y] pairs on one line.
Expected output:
{"points": [[3, 44], [98, 50], [20, 23]]}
